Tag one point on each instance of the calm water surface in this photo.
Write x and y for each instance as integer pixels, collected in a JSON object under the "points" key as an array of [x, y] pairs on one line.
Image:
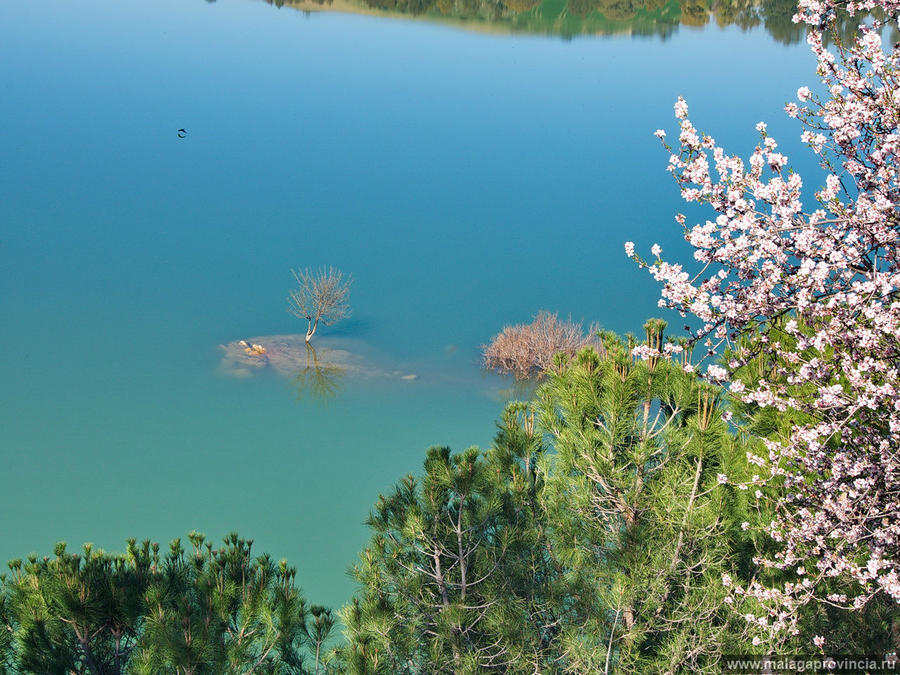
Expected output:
{"points": [[465, 180]]}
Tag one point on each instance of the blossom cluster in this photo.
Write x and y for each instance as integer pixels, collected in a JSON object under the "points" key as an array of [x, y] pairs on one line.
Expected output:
{"points": [[817, 290]]}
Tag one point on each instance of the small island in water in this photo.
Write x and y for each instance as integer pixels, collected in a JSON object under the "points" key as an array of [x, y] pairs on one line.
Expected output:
{"points": [[290, 354]]}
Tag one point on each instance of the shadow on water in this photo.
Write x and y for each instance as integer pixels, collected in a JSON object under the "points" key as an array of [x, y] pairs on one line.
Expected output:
{"points": [[354, 327], [507, 388], [318, 381]]}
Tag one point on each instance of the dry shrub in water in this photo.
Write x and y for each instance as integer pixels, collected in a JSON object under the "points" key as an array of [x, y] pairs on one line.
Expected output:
{"points": [[322, 295], [527, 350]]}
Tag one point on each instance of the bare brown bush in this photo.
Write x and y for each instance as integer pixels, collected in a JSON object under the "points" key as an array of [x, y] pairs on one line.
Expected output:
{"points": [[527, 350]]}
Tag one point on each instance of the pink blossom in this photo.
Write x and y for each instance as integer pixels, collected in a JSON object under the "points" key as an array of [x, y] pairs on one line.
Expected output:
{"points": [[831, 274], [716, 373]]}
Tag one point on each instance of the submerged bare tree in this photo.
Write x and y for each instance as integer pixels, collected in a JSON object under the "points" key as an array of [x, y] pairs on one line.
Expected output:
{"points": [[321, 295], [527, 349]]}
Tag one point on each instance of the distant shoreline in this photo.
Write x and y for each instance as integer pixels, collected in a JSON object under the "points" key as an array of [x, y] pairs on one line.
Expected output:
{"points": [[568, 19], [594, 24]]}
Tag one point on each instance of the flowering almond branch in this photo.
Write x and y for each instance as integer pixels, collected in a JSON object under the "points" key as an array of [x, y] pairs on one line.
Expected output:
{"points": [[817, 292]]}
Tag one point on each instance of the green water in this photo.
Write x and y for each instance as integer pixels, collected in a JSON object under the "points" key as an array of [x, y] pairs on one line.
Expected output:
{"points": [[464, 180]]}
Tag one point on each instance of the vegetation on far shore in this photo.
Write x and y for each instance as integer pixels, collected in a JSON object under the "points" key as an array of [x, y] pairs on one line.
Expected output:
{"points": [[570, 18]]}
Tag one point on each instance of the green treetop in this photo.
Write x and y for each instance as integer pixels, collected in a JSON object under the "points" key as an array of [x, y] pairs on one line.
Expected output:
{"points": [[204, 610], [639, 514], [459, 576]]}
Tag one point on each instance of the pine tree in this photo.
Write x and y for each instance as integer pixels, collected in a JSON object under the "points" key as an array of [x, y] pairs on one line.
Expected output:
{"points": [[639, 515], [204, 611], [459, 575], [317, 631], [6, 634], [219, 611], [76, 613]]}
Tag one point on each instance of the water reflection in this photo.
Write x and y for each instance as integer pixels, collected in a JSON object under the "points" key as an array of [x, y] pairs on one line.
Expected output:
{"points": [[512, 389], [569, 18], [319, 381]]}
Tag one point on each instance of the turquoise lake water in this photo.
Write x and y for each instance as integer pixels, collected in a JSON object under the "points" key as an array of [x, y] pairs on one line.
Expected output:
{"points": [[464, 180]]}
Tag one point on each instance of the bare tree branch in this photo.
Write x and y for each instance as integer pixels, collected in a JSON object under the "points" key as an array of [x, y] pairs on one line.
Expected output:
{"points": [[322, 295]]}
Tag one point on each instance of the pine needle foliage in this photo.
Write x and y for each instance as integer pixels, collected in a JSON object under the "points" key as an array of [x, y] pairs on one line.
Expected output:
{"points": [[200, 610], [76, 613], [632, 489], [219, 610], [459, 576], [6, 635]]}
